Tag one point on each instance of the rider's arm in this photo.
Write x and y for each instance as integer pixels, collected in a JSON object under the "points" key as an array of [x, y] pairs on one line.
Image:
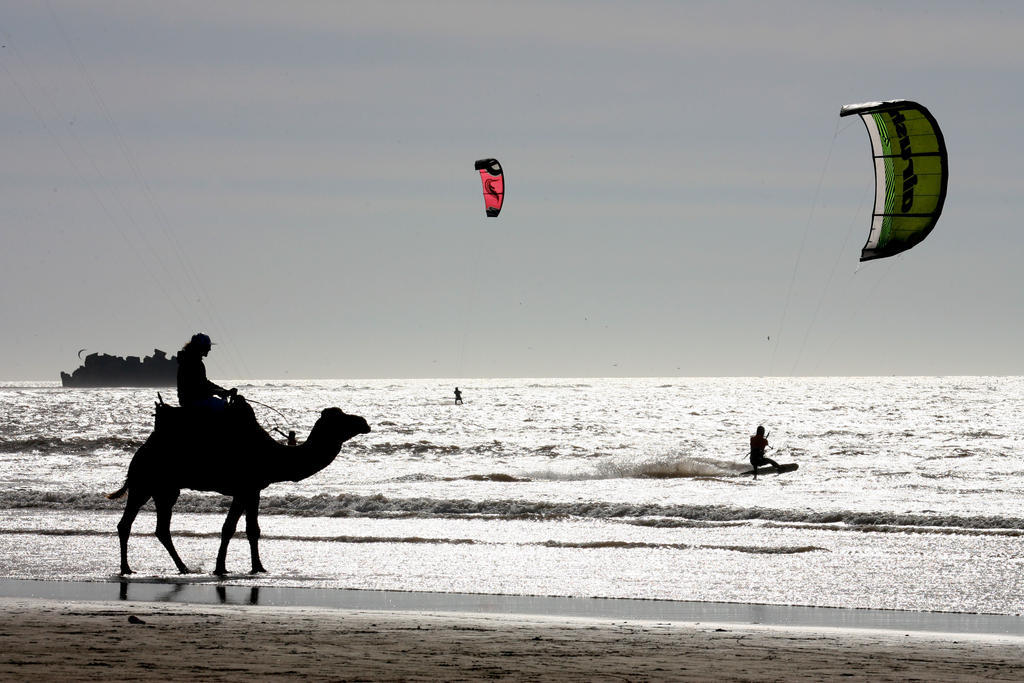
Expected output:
{"points": [[218, 390]]}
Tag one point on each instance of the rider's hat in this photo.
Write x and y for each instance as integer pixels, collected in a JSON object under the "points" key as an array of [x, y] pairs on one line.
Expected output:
{"points": [[200, 339]]}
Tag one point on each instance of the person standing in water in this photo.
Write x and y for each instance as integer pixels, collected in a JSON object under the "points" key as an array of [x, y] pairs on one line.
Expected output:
{"points": [[194, 389], [458, 397], [759, 442]]}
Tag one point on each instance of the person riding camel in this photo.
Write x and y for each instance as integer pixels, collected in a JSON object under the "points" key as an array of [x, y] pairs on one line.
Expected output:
{"points": [[194, 389]]}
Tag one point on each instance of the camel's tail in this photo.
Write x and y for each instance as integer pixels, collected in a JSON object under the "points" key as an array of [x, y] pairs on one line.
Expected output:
{"points": [[118, 493]]}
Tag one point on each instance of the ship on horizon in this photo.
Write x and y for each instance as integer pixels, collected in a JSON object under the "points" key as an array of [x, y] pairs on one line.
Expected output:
{"points": [[104, 370]]}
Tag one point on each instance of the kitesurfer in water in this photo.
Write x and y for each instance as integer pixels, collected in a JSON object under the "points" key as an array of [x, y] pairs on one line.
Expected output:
{"points": [[194, 389], [458, 397], [759, 442]]}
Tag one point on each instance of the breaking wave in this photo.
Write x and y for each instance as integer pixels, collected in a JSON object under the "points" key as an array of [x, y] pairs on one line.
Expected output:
{"points": [[651, 515], [605, 468], [631, 545], [661, 468], [73, 445], [592, 545]]}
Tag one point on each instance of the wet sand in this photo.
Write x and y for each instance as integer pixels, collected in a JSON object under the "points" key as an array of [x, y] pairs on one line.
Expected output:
{"points": [[208, 589], [48, 639]]}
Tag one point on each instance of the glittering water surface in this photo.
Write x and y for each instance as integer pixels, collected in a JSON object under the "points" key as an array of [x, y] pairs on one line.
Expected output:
{"points": [[908, 494]]}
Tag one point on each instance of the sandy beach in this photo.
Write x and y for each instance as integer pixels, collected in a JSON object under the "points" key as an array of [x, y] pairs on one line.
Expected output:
{"points": [[58, 640]]}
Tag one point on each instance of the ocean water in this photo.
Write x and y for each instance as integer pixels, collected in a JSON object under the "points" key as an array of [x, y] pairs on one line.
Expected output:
{"points": [[909, 493]]}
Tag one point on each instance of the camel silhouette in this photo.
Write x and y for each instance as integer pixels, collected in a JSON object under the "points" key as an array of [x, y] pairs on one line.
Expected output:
{"points": [[229, 453]]}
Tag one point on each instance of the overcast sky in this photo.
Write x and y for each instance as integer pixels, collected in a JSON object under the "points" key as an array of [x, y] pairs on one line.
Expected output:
{"points": [[296, 179]]}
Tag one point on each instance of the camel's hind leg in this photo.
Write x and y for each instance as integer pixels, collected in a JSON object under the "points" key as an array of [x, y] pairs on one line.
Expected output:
{"points": [[164, 503], [252, 531], [228, 530], [124, 527]]}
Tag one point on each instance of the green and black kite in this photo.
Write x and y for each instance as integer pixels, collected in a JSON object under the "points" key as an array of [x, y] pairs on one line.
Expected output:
{"points": [[911, 170]]}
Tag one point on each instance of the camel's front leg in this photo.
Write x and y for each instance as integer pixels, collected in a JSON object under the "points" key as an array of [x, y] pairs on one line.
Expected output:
{"points": [[230, 524], [252, 531], [164, 504]]}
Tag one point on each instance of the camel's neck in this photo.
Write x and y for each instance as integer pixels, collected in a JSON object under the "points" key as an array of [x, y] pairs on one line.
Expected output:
{"points": [[301, 462]]}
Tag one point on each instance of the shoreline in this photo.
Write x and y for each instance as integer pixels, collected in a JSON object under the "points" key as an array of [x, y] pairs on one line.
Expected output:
{"points": [[203, 590], [44, 639]]}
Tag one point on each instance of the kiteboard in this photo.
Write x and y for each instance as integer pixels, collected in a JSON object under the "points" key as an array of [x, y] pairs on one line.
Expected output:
{"points": [[768, 469]]}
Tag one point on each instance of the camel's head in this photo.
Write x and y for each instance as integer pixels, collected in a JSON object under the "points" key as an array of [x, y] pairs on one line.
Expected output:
{"points": [[341, 425]]}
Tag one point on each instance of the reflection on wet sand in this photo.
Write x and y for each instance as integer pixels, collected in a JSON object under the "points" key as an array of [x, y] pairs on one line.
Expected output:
{"points": [[226, 595]]}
